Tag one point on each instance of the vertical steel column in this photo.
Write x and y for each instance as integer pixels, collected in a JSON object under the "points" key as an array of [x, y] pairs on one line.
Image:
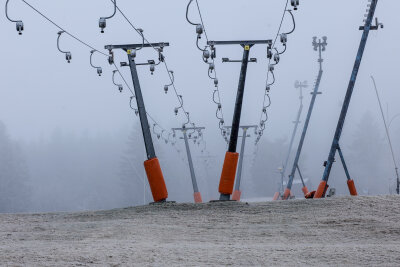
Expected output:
{"points": [[238, 107], [303, 135], [335, 143], [148, 141], [189, 156]]}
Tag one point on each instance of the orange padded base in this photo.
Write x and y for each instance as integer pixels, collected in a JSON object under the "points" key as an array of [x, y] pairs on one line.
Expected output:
{"points": [[228, 173], [305, 190], [352, 187], [276, 196], [156, 179], [321, 190], [197, 197], [286, 194], [236, 195]]}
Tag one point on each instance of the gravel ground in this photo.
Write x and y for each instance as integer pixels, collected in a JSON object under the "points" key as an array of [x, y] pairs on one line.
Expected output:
{"points": [[348, 231]]}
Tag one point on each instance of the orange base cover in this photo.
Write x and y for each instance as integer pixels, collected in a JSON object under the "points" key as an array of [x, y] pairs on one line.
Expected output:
{"points": [[287, 193], [305, 190], [276, 196], [156, 179], [352, 187], [228, 173], [321, 190], [236, 195], [197, 197], [310, 194]]}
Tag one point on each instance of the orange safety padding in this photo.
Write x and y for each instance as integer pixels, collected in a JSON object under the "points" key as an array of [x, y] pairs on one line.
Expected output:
{"points": [[287, 193], [305, 190], [228, 173], [156, 179], [197, 197], [236, 195], [276, 196], [310, 194], [352, 187], [321, 190]]}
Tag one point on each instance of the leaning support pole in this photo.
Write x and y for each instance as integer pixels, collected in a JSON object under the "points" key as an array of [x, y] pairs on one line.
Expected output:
{"points": [[350, 182], [321, 47], [237, 193], [304, 188], [335, 143]]}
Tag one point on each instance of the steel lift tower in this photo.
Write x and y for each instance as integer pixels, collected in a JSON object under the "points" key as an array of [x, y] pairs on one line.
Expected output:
{"points": [[151, 165], [318, 46], [227, 180], [300, 85], [335, 143], [184, 130]]}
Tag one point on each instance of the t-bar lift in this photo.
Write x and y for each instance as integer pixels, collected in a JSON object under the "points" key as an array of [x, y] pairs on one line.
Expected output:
{"points": [[227, 180], [323, 186], [151, 165], [196, 192]]}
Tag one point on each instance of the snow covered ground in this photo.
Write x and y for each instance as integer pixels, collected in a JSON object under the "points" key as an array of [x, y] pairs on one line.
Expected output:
{"points": [[358, 231]]}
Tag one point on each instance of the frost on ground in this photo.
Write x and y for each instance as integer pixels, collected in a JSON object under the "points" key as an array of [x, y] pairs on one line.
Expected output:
{"points": [[361, 231]]}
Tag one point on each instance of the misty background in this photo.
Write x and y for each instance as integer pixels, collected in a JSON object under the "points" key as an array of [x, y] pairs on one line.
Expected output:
{"points": [[69, 140]]}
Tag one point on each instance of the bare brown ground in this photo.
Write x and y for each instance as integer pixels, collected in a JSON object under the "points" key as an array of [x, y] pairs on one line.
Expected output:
{"points": [[360, 231]]}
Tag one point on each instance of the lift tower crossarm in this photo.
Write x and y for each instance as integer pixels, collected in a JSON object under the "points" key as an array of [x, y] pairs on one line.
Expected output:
{"points": [[196, 192], [243, 42], [133, 46], [346, 103], [227, 180], [152, 165]]}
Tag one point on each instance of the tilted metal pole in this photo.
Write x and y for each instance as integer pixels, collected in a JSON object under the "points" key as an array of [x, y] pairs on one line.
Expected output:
{"points": [[240, 165], [335, 143], [239, 101], [148, 141], [196, 192], [286, 194], [189, 156], [346, 171]]}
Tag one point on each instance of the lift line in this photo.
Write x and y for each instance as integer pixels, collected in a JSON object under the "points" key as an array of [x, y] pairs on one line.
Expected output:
{"points": [[231, 158], [151, 165], [237, 193], [196, 192], [323, 186], [301, 85], [318, 46]]}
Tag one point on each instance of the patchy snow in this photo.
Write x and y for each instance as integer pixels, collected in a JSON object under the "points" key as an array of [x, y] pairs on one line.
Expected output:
{"points": [[362, 231]]}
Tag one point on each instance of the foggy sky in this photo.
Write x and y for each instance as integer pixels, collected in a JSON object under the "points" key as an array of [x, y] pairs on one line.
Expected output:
{"points": [[41, 92]]}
